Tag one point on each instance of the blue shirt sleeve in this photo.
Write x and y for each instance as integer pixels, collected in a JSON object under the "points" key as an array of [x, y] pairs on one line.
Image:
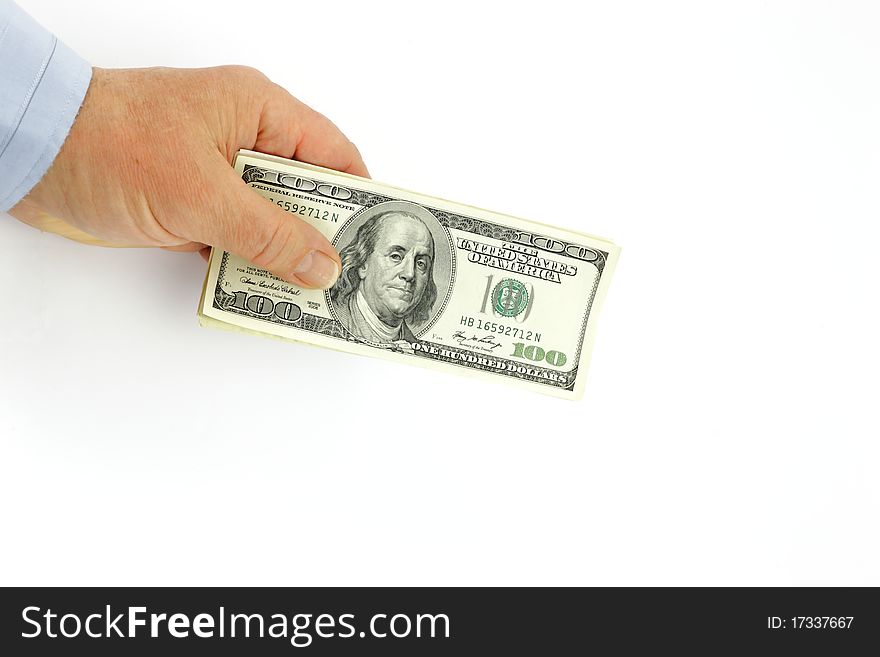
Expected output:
{"points": [[42, 86]]}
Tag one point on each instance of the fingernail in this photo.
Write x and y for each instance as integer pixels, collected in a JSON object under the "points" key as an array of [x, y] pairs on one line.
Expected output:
{"points": [[317, 270]]}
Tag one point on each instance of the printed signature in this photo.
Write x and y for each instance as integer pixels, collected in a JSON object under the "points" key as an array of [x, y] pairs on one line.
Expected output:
{"points": [[487, 343]]}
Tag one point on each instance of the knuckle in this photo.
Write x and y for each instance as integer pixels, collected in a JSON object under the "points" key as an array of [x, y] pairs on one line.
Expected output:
{"points": [[255, 75], [242, 74]]}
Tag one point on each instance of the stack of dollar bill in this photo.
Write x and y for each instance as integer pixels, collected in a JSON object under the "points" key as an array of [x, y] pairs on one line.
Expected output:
{"points": [[423, 281]]}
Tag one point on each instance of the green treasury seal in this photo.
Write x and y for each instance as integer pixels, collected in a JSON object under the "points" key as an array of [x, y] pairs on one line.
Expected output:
{"points": [[510, 297]]}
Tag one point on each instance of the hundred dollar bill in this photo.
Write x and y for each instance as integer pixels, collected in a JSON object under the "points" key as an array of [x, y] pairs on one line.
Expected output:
{"points": [[423, 281]]}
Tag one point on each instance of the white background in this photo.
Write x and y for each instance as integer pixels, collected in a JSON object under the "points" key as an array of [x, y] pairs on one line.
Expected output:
{"points": [[729, 430]]}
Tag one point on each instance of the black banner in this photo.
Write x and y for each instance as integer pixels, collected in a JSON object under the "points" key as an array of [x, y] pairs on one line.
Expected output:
{"points": [[446, 621]]}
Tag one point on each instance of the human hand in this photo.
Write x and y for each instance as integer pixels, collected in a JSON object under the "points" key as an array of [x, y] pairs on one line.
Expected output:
{"points": [[147, 163]]}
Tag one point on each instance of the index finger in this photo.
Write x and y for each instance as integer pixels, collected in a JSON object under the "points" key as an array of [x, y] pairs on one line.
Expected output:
{"points": [[290, 128]]}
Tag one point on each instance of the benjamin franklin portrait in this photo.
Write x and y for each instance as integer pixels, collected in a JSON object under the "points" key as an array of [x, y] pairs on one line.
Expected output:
{"points": [[388, 287]]}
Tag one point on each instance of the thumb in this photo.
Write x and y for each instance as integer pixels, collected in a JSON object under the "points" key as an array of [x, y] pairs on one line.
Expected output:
{"points": [[244, 223]]}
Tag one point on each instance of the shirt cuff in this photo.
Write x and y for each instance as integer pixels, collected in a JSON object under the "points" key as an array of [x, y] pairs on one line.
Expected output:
{"points": [[42, 86]]}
